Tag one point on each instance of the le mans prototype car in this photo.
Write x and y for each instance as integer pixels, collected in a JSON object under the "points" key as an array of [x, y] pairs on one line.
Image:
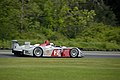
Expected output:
{"points": [[46, 49]]}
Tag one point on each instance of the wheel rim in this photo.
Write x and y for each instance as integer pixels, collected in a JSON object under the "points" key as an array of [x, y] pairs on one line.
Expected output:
{"points": [[74, 53], [38, 52]]}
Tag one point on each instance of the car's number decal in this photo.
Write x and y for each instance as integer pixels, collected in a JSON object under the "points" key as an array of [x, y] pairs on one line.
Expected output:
{"points": [[56, 52]]}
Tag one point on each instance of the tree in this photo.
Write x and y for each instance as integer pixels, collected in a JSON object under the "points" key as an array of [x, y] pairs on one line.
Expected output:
{"points": [[104, 14], [61, 16], [114, 5], [9, 17], [77, 20]]}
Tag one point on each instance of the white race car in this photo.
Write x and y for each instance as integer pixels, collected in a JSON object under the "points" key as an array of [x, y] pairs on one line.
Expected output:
{"points": [[45, 50]]}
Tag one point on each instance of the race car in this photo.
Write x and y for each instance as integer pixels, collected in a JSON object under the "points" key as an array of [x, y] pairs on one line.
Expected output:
{"points": [[46, 49]]}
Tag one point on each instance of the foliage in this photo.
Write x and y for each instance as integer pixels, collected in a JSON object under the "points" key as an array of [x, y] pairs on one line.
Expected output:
{"points": [[59, 21], [104, 14]]}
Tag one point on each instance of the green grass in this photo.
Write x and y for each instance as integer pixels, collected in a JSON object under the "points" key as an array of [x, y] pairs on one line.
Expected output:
{"points": [[59, 69]]}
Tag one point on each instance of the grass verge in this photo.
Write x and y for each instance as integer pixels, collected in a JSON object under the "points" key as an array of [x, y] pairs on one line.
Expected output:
{"points": [[59, 69]]}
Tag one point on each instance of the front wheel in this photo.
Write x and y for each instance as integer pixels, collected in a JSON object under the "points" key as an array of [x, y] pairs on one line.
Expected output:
{"points": [[38, 52], [74, 53]]}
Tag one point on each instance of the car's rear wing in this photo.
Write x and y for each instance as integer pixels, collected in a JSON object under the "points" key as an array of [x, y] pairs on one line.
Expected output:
{"points": [[15, 44]]}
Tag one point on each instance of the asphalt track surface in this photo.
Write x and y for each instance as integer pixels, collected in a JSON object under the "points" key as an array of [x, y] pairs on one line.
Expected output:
{"points": [[87, 54]]}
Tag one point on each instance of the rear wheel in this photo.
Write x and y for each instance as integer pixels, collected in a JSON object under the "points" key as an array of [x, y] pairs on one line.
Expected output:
{"points": [[74, 53], [38, 52]]}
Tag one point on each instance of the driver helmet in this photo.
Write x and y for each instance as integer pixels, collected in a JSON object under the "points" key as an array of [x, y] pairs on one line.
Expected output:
{"points": [[47, 42]]}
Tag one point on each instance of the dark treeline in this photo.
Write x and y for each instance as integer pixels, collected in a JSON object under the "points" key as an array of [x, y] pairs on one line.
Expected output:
{"points": [[114, 5], [81, 20]]}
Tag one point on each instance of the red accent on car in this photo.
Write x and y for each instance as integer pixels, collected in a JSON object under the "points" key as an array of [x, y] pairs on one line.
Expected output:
{"points": [[43, 44], [56, 53], [66, 53]]}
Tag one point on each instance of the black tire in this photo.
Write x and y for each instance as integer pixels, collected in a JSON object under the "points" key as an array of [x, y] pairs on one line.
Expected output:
{"points": [[19, 54], [74, 53], [38, 52], [15, 54]]}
